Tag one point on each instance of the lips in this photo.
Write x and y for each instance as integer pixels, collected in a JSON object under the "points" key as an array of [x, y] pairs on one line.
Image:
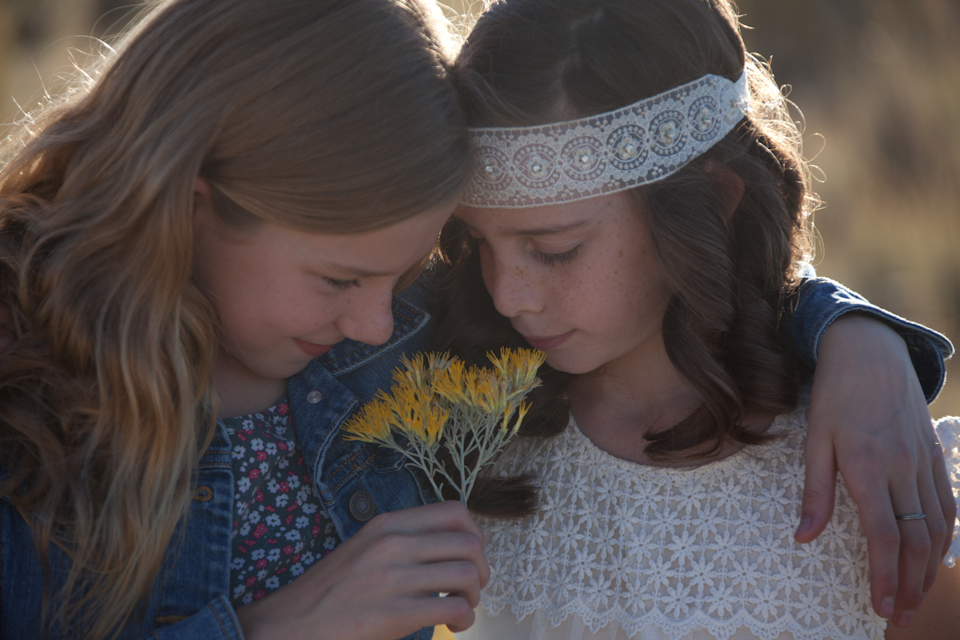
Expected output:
{"points": [[546, 343], [311, 349]]}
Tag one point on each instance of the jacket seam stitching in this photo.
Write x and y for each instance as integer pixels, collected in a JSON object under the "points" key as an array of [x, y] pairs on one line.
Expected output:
{"points": [[223, 627], [389, 344], [214, 465], [345, 463]]}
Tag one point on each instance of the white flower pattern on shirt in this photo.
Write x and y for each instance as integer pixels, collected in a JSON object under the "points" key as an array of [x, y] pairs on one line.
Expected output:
{"points": [[279, 526]]}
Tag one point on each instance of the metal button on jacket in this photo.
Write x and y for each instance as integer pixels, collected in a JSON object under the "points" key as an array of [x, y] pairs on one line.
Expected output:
{"points": [[362, 506], [314, 397]]}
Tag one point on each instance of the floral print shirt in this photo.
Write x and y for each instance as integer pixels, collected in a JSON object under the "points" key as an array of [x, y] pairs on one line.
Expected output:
{"points": [[279, 524]]}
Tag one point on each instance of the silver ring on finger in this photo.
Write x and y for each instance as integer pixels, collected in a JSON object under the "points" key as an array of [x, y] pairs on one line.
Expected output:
{"points": [[912, 516]]}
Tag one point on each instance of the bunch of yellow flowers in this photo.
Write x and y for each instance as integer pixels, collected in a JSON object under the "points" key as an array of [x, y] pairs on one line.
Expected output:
{"points": [[438, 404]]}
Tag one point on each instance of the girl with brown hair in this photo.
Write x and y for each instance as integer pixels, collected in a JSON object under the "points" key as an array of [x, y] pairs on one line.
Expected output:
{"points": [[639, 211]]}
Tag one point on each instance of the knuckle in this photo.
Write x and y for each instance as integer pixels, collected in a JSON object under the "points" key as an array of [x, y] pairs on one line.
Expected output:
{"points": [[473, 598], [867, 451], [461, 612], [886, 539], [391, 545], [814, 492], [395, 609], [392, 575], [472, 545], [380, 522], [937, 528], [466, 573], [863, 476], [883, 581], [917, 545], [905, 453]]}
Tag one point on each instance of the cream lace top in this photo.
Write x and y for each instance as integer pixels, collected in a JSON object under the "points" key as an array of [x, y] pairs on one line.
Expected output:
{"points": [[624, 551]]}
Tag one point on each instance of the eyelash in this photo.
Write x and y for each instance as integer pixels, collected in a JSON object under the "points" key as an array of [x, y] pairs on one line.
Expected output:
{"points": [[551, 259], [342, 285]]}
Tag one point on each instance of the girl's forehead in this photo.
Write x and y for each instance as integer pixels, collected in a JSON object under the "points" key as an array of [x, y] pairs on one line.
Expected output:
{"points": [[545, 220]]}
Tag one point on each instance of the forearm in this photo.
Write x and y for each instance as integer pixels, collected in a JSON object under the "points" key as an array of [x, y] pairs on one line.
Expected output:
{"points": [[819, 302]]}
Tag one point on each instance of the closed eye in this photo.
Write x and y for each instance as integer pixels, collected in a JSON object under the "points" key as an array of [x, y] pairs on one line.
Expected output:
{"points": [[551, 259], [342, 285]]}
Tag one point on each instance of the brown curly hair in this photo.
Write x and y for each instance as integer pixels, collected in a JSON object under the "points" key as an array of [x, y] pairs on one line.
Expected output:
{"points": [[279, 106], [530, 62]]}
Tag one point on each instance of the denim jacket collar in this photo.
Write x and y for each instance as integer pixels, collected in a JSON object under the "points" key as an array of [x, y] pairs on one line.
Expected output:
{"points": [[350, 355]]}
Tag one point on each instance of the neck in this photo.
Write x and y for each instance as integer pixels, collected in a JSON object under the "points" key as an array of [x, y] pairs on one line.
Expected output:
{"points": [[240, 391], [640, 393], [640, 388]]}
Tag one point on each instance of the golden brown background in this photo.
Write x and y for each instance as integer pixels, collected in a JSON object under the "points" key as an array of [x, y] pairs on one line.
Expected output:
{"points": [[879, 85]]}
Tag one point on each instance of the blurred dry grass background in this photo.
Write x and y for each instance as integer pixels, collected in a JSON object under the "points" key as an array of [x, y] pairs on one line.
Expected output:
{"points": [[879, 85]]}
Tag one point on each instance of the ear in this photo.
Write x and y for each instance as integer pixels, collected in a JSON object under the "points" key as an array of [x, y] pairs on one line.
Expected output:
{"points": [[202, 202], [200, 185], [728, 183]]}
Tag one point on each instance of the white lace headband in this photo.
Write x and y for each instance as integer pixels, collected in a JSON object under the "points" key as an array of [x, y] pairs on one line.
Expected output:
{"points": [[609, 152]]}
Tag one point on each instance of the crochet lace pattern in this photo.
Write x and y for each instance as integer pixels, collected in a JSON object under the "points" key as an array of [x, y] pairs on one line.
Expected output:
{"points": [[704, 552], [641, 143]]}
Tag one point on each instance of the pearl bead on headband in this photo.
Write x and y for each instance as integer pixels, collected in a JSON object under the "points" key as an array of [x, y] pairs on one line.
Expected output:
{"points": [[649, 140]]}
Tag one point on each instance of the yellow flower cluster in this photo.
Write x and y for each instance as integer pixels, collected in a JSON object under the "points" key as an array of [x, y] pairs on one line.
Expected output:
{"points": [[408, 409], [439, 404]]}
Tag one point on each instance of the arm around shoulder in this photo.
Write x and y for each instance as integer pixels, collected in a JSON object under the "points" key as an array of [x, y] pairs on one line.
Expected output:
{"points": [[819, 302]]}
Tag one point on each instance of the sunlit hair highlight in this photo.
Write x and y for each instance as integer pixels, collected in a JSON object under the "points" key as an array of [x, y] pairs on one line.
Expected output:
{"points": [[331, 116]]}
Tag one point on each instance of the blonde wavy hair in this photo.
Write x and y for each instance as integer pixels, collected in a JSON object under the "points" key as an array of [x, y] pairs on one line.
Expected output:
{"points": [[105, 399]]}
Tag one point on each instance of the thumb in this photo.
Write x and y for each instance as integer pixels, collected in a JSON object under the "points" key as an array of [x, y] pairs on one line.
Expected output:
{"points": [[819, 492]]}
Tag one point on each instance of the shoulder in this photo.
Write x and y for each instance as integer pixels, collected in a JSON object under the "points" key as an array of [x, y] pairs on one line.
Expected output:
{"points": [[939, 617]]}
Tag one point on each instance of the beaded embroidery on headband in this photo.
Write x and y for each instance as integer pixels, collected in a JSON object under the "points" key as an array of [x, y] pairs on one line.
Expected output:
{"points": [[635, 145]]}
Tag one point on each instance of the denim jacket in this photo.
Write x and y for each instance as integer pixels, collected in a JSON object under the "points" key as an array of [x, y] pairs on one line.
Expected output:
{"points": [[354, 480], [820, 301]]}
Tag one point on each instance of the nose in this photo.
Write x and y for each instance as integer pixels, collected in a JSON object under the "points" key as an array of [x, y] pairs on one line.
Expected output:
{"points": [[515, 290], [369, 318]]}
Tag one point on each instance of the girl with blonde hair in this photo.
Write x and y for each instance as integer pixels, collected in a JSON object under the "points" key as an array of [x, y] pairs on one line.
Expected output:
{"points": [[221, 201]]}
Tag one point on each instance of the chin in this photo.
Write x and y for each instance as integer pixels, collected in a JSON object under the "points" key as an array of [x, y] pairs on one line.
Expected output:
{"points": [[572, 365], [280, 370]]}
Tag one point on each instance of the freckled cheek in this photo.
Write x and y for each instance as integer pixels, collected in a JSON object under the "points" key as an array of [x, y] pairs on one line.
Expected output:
{"points": [[617, 293], [574, 299], [520, 277], [312, 317]]}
